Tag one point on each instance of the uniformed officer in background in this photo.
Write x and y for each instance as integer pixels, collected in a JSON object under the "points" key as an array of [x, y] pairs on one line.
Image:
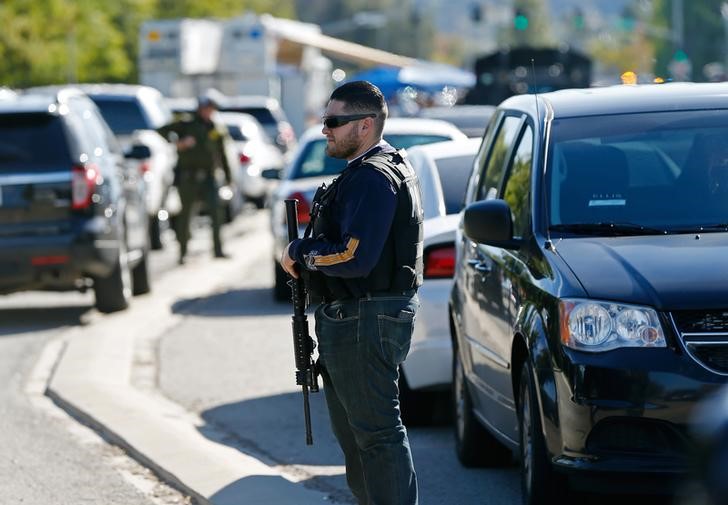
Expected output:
{"points": [[202, 168]]}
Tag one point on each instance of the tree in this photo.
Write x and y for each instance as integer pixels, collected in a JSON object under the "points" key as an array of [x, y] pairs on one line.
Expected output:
{"points": [[92, 41], [703, 39], [81, 43]]}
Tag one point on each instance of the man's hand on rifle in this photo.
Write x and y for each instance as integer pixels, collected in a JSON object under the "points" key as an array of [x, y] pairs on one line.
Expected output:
{"points": [[288, 264]]}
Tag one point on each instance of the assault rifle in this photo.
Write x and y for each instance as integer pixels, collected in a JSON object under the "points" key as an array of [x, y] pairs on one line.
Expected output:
{"points": [[303, 345]]}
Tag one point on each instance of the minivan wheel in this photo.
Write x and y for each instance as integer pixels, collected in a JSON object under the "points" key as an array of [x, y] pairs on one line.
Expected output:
{"points": [[539, 483], [474, 445], [114, 292]]}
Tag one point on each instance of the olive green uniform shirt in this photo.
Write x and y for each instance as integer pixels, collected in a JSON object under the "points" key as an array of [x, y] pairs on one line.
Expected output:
{"points": [[207, 156]]}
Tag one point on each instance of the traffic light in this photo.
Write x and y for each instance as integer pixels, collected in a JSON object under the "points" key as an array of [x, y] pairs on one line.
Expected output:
{"points": [[520, 20], [577, 19]]}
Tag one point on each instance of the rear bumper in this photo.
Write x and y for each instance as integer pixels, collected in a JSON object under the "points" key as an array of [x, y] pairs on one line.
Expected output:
{"points": [[429, 362], [54, 262]]}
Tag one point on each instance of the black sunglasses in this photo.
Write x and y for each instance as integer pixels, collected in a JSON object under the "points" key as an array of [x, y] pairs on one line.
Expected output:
{"points": [[336, 121]]}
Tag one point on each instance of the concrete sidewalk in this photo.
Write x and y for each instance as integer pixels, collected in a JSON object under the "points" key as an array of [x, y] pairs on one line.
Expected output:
{"points": [[93, 379]]}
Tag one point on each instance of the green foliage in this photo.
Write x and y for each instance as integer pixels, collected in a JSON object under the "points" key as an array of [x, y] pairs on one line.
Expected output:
{"points": [[704, 35], [56, 41]]}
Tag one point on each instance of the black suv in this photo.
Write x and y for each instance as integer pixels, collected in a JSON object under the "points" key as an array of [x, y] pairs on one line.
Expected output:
{"points": [[589, 311], [71, 211]]}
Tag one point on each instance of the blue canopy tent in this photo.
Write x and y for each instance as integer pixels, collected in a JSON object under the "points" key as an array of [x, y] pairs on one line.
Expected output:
{"points": [[424, 76]]}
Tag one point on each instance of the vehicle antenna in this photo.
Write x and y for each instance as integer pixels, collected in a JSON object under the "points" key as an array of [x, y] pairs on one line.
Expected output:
{"points": [[549, 244]]}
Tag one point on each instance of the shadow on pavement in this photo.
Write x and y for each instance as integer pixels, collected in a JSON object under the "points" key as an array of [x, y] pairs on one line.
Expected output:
{"points": [[29, 320], [236, 302], [272, 430], [269, 490]]}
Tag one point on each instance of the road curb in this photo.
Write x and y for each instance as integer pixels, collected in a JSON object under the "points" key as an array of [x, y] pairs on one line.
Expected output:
{"points": [[91, 381]]}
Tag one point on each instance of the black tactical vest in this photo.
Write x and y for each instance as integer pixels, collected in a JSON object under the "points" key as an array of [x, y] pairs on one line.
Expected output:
{"points": [[400, 265]]}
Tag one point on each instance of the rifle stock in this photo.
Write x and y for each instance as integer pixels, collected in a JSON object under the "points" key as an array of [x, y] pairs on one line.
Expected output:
{"points": [[302, 343]]}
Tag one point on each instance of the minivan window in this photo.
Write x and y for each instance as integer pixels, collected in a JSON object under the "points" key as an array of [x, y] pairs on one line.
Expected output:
{"points": [[518, 186], [665, 170], [495, 164], [32, 142]]}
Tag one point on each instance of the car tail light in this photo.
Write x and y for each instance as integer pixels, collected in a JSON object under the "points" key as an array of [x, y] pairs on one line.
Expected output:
{"points": [[145, 166], [304, 208], [49, 260], [244, 158], [439, 262], [83, 185]]}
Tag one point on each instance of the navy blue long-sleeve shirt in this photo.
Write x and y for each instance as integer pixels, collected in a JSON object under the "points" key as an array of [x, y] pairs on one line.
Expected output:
{"points": [[364, 209]]}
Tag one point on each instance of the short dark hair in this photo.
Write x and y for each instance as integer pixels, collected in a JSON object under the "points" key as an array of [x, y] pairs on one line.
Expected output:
{"points": [[362, 97]]}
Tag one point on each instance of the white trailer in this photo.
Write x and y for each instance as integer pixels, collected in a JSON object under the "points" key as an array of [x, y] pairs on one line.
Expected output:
{"points": [[242, 56]]}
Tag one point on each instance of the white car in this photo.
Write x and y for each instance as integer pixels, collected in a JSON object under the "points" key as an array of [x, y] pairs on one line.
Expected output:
{"points": [[254, 152], [443, 169], [311, 167]]}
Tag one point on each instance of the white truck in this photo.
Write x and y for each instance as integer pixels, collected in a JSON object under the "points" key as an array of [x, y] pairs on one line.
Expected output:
{"points": [[247, 55]]}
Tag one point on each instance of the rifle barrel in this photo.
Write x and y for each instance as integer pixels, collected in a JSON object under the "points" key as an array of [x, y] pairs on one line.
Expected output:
{"points": [[302, 346]]}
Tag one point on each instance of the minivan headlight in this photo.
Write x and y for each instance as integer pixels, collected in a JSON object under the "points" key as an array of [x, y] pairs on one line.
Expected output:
{"points": [[595, 326]]}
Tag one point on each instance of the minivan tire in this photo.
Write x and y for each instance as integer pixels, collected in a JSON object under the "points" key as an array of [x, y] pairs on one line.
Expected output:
{"points": [[540, 484], [114, 292], [474, 445]]}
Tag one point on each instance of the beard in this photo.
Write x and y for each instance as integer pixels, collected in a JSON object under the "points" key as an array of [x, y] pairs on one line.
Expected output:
{"points": [[344, 147]]}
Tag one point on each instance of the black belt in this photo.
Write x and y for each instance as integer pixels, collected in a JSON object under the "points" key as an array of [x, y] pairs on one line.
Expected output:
{"points": [[374, 294]]}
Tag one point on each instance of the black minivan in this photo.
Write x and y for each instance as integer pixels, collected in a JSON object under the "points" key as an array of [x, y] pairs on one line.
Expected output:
{"points": [[72, 213], [589, 311]]}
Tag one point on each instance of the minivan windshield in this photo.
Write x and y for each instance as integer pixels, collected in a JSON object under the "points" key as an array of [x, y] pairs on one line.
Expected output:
{"points": [[641, 173]]}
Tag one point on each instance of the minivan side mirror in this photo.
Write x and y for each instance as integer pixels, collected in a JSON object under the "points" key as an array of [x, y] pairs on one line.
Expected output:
{"points": [[490, 222], [138, 152]]}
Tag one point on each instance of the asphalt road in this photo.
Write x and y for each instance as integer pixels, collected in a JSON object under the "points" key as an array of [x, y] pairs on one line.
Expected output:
{"points": [[46, 457], [231, 361]]}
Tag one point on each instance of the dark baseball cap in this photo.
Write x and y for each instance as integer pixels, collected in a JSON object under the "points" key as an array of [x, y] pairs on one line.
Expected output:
{"points": [[211, 98]]}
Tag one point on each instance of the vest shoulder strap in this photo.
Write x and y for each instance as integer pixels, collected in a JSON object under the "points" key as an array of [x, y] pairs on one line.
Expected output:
{"points": [[390, 165]]}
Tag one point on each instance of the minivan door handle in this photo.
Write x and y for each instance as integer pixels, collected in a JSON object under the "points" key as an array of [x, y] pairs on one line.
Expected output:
{"points": [[479, 266]]}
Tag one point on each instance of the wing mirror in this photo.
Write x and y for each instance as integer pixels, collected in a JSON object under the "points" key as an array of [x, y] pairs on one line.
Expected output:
{"points": [[490, 222]]}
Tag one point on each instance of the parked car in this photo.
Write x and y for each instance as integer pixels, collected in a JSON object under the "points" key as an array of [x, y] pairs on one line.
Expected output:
{"points": [[443, 169], [311, 167], [255, 153], [134, 113], [590, 300], [470, 119], [72, 212], [265, 109]]}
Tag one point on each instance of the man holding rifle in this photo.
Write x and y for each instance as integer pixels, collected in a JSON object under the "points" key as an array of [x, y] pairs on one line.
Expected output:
{"points": [[364, 260]]}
